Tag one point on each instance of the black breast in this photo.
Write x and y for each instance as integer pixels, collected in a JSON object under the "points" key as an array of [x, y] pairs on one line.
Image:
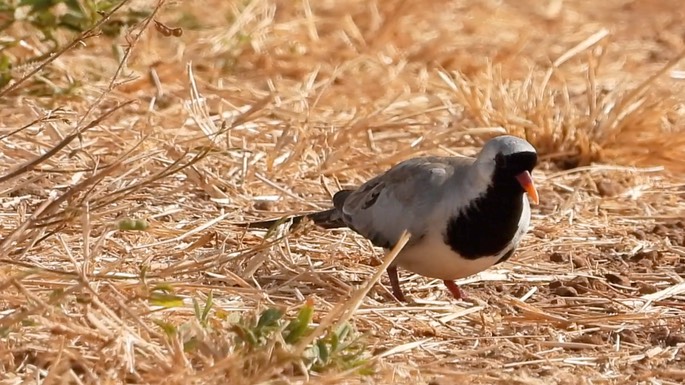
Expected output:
{"points": [[490, 223]]}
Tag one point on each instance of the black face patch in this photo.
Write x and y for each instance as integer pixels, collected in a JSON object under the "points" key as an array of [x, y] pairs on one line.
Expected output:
{"points": [[500, 161], [514, 164], [487, 226]]}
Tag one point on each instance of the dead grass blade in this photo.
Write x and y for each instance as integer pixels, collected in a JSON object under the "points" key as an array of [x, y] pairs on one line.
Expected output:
{"points": [[85, 35], [30, 165]]}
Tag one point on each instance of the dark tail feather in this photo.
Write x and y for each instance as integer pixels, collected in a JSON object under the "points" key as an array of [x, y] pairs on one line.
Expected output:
{"points": [[328, 219]]}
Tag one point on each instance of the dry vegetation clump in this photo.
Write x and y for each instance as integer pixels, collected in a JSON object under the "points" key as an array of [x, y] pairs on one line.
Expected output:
{"points": [[126, 163]]}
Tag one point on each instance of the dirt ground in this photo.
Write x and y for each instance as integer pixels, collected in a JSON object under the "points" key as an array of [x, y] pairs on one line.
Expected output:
{"points": [[262, 108]]}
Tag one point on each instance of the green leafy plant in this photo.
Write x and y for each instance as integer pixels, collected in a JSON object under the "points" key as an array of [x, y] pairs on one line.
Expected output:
{"points": [[267, 338], [129, 224], [48, 16], [44, 19], [340, 349], [163, 295], [202, 313], [337, 349]]}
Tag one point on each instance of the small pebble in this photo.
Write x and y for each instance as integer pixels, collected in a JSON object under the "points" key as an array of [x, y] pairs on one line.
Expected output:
{"points": [[651, 254], [646, 263], [674, 339], [263, 205], [617, 279], [581, 284], [677, 239], [557, 257], [629, 336], [579, 262], [566, 291], [539, 233], [607, 188], [518, 340], [581, 281], [520, 291], [646, 288], [592, 338], [660, 230], [610, 309]]}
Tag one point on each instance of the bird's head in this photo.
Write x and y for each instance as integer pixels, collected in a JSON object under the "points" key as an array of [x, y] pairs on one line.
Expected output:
{"points": [[508, 158]]}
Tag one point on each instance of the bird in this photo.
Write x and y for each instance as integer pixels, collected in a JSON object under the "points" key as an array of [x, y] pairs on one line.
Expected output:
{"points": [[464, 214]]}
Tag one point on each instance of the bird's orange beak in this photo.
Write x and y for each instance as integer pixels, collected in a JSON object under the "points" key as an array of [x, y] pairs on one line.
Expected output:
{"points": [[526, 182]]}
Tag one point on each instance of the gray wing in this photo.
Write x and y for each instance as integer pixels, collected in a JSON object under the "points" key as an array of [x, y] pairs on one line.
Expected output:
{"points": [[403, 198]]}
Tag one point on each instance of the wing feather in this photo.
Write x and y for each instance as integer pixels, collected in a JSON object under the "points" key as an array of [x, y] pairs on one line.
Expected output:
{"points": [[403, 198]]}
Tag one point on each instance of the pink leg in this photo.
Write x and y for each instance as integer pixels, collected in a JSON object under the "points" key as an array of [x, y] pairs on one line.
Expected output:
{"points": [[455, 290]]}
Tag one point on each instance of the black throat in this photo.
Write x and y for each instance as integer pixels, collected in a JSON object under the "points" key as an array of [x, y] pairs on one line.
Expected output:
{"points": [[488, 225]]}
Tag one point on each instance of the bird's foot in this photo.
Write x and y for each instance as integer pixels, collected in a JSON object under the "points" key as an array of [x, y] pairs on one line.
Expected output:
{"points": [[395, 284], [399, 296], [455, 290]]}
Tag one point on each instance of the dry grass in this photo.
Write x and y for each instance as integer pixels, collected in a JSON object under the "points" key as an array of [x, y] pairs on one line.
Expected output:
{"points": [[264, 107]]}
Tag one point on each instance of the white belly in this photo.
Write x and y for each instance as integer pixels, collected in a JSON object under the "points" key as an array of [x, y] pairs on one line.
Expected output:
{"points": [[434, 259]]}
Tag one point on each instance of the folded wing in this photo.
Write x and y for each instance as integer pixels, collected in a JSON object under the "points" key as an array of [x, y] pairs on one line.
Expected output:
{"points": [[404, 198]]}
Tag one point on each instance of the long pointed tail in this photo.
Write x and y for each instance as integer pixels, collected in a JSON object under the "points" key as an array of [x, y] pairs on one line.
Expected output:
{"points": [[327, 219]]}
